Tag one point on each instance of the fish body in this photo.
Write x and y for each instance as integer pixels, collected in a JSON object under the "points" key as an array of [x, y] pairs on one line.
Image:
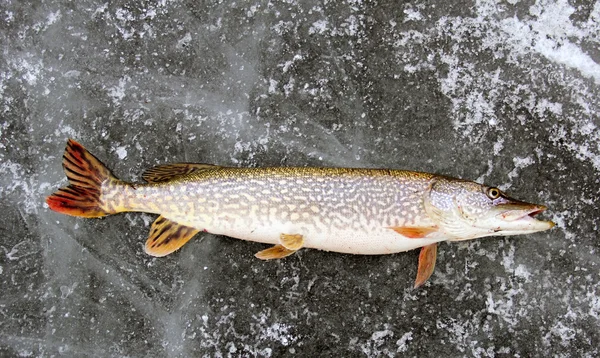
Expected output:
{"points": [[342, 210], [355, 211]]}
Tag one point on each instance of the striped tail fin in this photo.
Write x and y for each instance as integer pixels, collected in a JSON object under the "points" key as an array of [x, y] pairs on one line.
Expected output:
{"points": [[83, 195]]}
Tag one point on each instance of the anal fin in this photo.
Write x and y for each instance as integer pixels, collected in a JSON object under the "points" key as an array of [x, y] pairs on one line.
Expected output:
{"points": [[427, 258], [274, 252], [167, 236]]}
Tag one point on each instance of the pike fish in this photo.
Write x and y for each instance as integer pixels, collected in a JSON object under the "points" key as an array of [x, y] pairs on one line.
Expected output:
{"points": [[346, 210]]}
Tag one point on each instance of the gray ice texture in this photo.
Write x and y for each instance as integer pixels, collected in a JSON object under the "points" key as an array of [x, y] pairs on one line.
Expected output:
{"points": [[501, 92]]}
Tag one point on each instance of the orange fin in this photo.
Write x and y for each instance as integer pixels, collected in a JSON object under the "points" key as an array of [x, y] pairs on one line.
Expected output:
{"points": [[167, 236], [274, 252], [415, 232], [427, 259], [166, 172], [291, 242], [83, 195]]}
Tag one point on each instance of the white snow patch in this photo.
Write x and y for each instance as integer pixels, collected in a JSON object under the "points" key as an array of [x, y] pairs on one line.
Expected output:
{"points": [[498, 146], [66, 291], [519, 163], [286, 66], [118, 92], [594, 304], [10, 16], [544, 105], [508, 261], [583, 151], [252, 11], [16, 177], [549, 33], [289, 87], [100, 10], [521, 271], [541, 44], [184, 41], [52, 18], [125, 16], [29, 70], [278, 332], [412, 15], [72, 74], [67, 130], [272, 86], [571, 56], [121, 152], [402, 343], [376, 345], [563, 333], [318, 27], [379, 335]]}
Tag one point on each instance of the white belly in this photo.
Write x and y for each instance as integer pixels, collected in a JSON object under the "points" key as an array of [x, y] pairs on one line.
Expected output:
{"points": [[375, 241]]}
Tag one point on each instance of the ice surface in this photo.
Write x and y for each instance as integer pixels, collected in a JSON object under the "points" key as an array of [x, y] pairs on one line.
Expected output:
{"points": [[506, 92]]}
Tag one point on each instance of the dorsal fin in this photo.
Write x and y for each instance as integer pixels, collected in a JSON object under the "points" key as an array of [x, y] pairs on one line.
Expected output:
{"points": [[166, 172]]}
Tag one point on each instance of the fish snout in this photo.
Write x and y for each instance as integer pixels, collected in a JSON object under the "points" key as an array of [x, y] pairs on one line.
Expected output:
{"points": [[521, 216]]}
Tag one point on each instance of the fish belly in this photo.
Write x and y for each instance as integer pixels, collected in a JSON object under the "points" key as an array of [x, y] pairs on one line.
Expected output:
{"points": [[373, 242]]}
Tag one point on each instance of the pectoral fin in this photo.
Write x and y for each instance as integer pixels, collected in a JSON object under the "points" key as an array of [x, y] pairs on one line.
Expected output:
{"points": [[427, 259], [167, 236], [415, 232], [274, 252]]}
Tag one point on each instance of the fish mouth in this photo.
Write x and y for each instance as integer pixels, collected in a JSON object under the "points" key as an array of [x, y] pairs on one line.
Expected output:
{"points": [[531, 213], [519, 216]]}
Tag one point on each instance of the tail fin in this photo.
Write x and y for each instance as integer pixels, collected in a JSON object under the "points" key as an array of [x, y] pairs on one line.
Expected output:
{"points": [[83, 195]]}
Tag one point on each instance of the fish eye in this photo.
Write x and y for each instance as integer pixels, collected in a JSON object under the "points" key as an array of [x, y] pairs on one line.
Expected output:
{"points": [[493, 193]]}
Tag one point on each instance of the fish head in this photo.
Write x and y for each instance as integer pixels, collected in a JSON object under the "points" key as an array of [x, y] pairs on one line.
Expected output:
{"points": [[466, 210]]}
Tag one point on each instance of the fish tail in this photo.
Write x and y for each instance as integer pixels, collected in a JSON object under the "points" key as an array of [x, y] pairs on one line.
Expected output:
{"points": [[87, 177]]}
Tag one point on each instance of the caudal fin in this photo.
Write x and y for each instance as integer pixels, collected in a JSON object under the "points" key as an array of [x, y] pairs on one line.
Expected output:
{"points": [[83, 195]]}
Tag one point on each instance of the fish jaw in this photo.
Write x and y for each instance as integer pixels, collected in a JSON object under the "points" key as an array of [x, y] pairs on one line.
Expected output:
{"points": [[512, 218], [518, 218]]}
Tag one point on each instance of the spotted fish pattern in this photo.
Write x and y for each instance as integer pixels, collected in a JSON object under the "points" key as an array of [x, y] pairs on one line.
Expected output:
{"points": [[357, 211]]}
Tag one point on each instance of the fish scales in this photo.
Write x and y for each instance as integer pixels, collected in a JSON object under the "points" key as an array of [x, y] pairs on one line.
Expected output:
{"points": [[320, 202], [358, 211]]}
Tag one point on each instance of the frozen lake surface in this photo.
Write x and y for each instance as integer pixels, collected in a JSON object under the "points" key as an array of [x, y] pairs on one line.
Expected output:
{"points": [[503, 92]]}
